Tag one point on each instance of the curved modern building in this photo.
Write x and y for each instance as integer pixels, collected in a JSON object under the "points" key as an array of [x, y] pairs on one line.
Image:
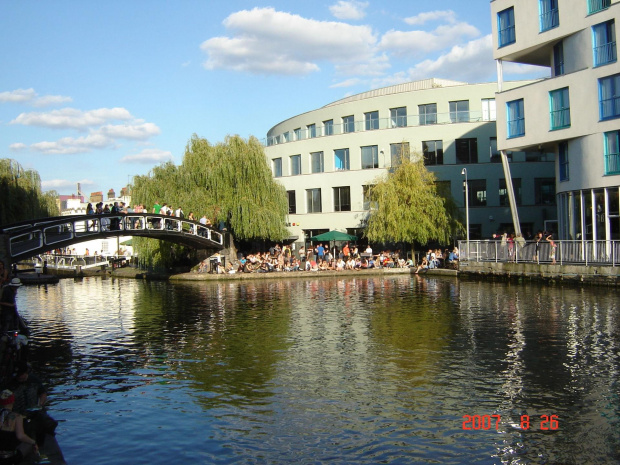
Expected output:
{"points": [[575, 113], [329, 157]]}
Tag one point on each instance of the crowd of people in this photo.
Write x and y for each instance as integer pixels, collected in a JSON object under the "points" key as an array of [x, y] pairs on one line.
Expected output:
{"points": [[323, 258], [508, 242]]}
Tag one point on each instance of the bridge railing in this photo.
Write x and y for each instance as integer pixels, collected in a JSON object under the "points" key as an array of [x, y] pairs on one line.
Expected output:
{"points": [[566, 252], [53, 233]]}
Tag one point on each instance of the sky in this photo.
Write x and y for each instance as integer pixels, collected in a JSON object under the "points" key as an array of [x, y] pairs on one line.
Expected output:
{"points": [[96, 92]]}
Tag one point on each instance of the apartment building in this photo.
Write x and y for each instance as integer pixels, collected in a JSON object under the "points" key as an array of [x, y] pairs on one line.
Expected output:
{"points": [[328, 158], [575, 113]]}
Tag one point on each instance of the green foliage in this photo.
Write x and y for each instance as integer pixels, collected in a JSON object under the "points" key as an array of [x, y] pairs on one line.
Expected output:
{"points": [[408, 207], [21, 197], [229, 182]]}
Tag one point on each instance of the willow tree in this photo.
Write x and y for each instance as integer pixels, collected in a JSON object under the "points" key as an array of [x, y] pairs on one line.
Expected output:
{"points": [[408, 207], [230, 182]]}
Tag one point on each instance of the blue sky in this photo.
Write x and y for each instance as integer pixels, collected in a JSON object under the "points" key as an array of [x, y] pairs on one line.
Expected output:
{"points": [[97, 92]]}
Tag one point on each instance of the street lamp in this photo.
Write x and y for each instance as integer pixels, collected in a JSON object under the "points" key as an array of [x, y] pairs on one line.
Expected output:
{"points": [[464, 173]]}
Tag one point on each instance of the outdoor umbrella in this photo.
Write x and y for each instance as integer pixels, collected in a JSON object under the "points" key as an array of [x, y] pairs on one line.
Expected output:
{"points": [[334, 236]]}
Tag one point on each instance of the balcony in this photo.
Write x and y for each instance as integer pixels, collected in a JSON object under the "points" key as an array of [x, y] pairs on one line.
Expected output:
{"points": [[612, 163]]}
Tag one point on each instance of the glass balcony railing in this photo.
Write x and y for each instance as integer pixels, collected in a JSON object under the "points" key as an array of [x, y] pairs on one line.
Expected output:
{"points": [[382, 123], [604, 54], [612, 163], [560, 119], [610, 108]]}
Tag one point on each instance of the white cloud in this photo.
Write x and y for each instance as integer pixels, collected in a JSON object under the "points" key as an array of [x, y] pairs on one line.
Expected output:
{"points": [[31, 97], [141, 131], [72, 118], [419, 42], [347, 83], [57, 184], [351, 9], [267, 41], [148, 156], [17, 147], [72, 145], [437, 15]]}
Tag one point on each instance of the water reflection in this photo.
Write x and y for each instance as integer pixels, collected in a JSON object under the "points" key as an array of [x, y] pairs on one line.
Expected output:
{"points": [[344, 370]]}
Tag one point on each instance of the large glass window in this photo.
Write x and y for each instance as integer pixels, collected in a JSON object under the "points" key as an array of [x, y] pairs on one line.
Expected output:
{"points": [[563, 160], [459, 111], [477, 192], [398, 152], [328, 127], [612, 152], [398, 117], [367, 204], [286, 136], [503, 192], [428, 113], [311, 130], [433, 152], [558, 58], [313, 200], [488, 109], [342, 199], [370, 157], [348, 124], [549, 14], [295, 165], [466, 150], [506, 27], [292, 206], [297, 133], [316, 162], [609, 97], [341, 159], [515, 118], [277, 167], [597, 5], [559, 109], [371, 120], [604, 43], [494, 154], [544, 191]]}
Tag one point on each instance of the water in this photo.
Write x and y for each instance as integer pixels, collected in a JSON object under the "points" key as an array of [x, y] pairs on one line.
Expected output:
{"points": [[358, 370]]}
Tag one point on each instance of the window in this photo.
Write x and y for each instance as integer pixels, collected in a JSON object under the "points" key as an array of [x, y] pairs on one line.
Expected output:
{"points": [[370, 157], [544, 191], [311, 130], [612, 152], [366, 192], [277, 167], [494, 154], [398, 152], [515, 118], [372, 120], [286, 136], [506, 27], [398, 117], [604, 43], [342, 199], [609, 97], [428, 113], [433, 152], [558, 58], [295, 165], [563, 160], [549, 14], [597, 5], [466, 150], [503, 192], [477, 192], [459, 111], [316, 162], [559, 109], [292, 207], [348, 125], [297, 133], [328, 127], [488, 109], [313, 200], [341, 158]]}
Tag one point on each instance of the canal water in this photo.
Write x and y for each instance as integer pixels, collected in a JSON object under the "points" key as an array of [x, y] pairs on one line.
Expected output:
{"points": [[350, 370]]}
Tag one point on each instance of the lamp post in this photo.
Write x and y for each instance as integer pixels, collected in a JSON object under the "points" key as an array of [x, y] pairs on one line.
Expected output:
{"points": [[464, 172]]}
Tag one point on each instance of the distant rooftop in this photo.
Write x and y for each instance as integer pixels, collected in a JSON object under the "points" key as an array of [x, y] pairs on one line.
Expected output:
{"points": [[424, 84]]}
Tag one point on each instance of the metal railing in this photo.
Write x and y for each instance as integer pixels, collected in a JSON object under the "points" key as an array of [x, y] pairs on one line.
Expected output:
{"points": [[566, 252]]}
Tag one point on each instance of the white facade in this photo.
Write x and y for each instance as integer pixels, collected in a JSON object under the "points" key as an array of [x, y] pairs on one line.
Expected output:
{"points": [[575, 113], [325, 158]]}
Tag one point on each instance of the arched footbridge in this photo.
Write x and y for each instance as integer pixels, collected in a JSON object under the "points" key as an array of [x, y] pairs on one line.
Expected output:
{"points": [[34, 237]]}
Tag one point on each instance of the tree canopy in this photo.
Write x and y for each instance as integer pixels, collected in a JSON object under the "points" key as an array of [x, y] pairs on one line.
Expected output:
{"points": [[230, 182], [408, 207]]}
